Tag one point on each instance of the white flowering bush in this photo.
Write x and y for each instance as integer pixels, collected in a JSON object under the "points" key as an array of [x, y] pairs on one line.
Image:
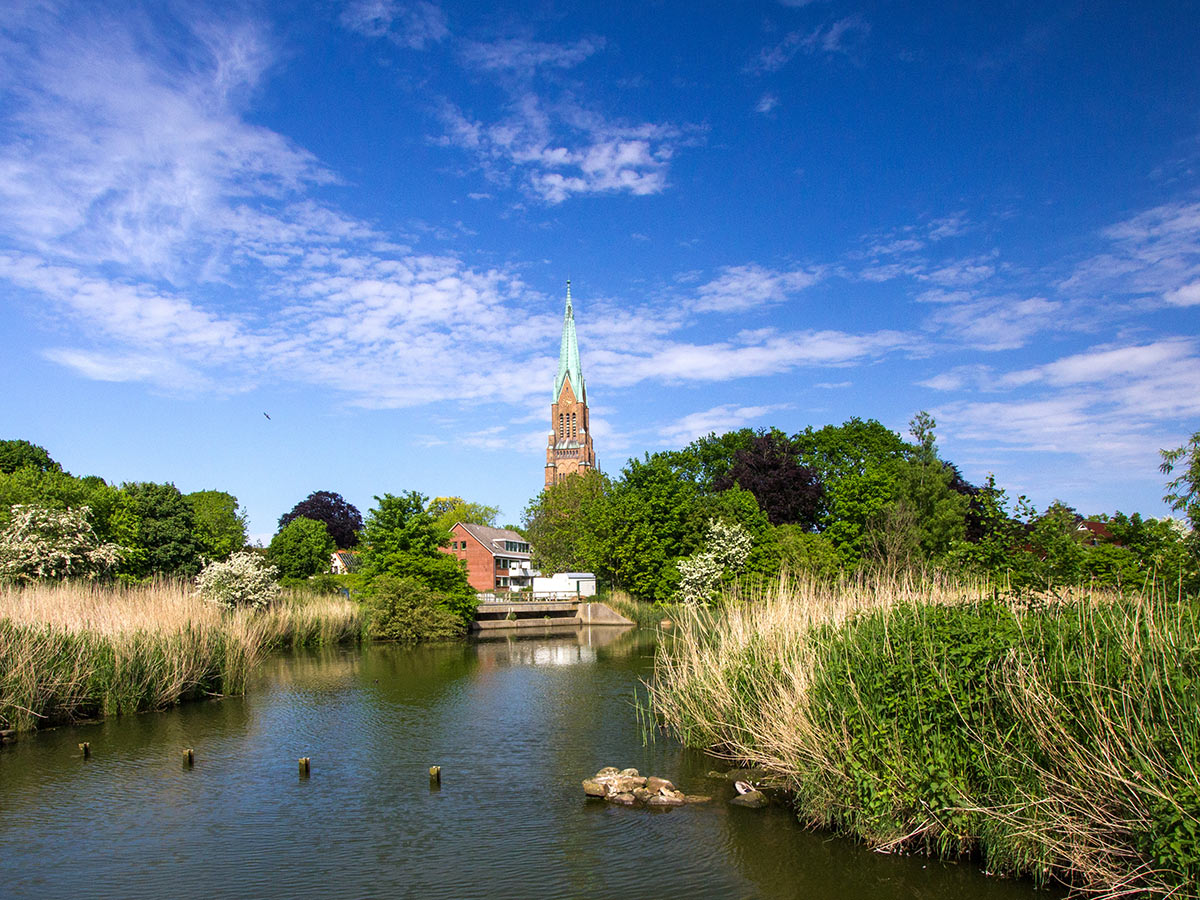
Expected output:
{"points": [[726, 548], [243, 580], [40, 543]]}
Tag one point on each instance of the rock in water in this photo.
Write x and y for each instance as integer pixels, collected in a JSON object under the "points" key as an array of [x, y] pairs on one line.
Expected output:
{"points": [[654, 783], [751, 799], [594, 788]]}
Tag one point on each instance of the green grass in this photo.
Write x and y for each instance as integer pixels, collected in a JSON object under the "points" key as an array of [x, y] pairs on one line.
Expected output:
{"points": [[1059, 741]]}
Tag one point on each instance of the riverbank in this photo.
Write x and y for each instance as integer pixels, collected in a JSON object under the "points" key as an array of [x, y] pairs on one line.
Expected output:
{"points": [[77, 651], [1059, 740]]}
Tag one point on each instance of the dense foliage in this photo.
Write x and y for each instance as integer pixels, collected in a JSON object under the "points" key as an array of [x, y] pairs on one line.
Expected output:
{"points": [[401, 539], [848, 498], [341, 518], [220, 525], [244, 580], [1059, 741], [301, 548], [406, 610]]}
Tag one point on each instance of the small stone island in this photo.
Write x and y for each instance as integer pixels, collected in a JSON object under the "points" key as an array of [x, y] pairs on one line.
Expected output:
{"points": [[626, 787]]}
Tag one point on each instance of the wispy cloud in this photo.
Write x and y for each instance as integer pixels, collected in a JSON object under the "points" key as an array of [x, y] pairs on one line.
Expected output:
{"points": [[556, 151], [841, 36], [525, 56], [744, 287], [415, 24], [719, 419], [766, 103]]}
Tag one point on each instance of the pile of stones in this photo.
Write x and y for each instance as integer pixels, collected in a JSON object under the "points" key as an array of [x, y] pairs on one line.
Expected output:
{"points": [[629, 788]]}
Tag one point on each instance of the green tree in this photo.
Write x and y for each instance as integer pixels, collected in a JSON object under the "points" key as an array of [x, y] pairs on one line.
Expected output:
{"points": [[447, 511], [400, 538], [405, 610], [341, 518], [562, 523], [705, 460], [785, 490], [301, 548], [646, 525], [18, 454], [1183, 491], [805, 554], [220, 523], [165, 541]]}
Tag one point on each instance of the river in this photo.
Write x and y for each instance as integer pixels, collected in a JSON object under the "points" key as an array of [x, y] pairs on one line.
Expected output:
{"points": [[514, 722]]}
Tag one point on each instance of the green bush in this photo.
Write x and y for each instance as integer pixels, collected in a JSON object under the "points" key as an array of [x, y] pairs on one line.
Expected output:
{"points": [[242, 580], [403, 609]]}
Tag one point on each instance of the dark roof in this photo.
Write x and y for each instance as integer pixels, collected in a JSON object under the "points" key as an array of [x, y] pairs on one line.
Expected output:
{"points": [[490, 536], [349, 559]]}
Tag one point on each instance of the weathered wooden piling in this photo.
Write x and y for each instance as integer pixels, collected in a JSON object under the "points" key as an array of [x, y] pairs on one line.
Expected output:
{"points": [[304, 767], [86, 749], [189, 758], [435, 774]]}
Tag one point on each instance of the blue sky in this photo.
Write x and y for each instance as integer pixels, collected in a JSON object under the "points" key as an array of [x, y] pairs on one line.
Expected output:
{"points": [[358, 217]]}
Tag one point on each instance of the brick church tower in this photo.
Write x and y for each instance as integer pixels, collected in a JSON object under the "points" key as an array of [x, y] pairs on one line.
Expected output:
{"points": [[570, 446]]}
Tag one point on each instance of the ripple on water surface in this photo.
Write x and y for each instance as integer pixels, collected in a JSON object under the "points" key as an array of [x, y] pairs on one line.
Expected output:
{"points": [[515, 724]]}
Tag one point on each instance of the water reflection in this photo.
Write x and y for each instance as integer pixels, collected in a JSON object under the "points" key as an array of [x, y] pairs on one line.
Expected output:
{"points": [[515, 721]]}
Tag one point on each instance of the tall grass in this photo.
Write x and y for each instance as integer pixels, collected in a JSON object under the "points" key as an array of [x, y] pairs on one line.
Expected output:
{"points": [[1059, 740], [76, 651]]}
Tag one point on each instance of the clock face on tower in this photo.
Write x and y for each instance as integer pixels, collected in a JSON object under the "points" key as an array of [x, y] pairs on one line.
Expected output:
{"points": [[569, 449]]}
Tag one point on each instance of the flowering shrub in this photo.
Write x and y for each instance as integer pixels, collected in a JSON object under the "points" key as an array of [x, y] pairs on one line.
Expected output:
{"points": [[242, 580], [40, 543], [726, 547]]}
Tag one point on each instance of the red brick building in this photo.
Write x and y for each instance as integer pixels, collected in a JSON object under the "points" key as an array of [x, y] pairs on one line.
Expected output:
{"points": [[496, 559], [569, 449]]}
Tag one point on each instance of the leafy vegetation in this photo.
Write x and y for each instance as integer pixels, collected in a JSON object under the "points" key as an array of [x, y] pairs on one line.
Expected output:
{"points": [[341, 518], [405, 610], [1057, 740], [301, 548]]}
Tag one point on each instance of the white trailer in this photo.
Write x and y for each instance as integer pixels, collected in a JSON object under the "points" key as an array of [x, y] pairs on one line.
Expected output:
{"points": [[564, 586]]}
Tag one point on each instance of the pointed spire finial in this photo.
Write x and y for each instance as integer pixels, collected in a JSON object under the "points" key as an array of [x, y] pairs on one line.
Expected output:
{"points": [[568, 292]]}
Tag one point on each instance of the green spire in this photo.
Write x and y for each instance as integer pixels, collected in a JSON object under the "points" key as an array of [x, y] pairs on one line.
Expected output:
{"points": [[568, 355]]}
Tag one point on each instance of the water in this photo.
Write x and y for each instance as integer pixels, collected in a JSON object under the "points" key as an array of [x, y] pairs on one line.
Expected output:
{"points": [[515, 723]]}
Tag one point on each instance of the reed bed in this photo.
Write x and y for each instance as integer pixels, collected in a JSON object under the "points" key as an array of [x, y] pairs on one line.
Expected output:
{"points": [[1058, 739], [77, 651]]}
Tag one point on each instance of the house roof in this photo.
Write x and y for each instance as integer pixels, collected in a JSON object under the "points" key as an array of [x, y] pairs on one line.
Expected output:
{"points": [[349, 559], [493, 538]]}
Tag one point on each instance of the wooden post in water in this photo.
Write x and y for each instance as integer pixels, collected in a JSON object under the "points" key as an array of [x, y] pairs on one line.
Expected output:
{"points": [[304, 767], [189, 758], [87, 749], [435, 775]]}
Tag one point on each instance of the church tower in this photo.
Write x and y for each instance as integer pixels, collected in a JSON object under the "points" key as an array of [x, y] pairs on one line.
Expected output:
{"points": [[570, 446]]}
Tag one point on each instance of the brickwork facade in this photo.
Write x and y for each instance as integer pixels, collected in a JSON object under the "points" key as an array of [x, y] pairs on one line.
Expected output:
{"points": [[569, 449]]}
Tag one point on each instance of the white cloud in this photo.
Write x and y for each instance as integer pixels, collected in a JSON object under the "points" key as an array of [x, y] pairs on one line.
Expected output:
{"points": [[766, 103], [556, 151], [744, 287], [839, 37], [1000, 323], [414, 24], [526, 56], [719, 419], [1188, 295]]}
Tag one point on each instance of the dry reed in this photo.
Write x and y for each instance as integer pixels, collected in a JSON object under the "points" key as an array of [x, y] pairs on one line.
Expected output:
{"points": [[75, 651], [1058, 740]]}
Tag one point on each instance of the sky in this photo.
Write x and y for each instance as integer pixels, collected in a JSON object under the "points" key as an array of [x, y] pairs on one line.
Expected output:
{"points": [[358, 219]]}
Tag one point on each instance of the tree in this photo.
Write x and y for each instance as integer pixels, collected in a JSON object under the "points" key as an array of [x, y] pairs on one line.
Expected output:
{"points": [[805, 554], [400, 538], [220, 524], [404, 609], [645, 525], [42, 543], [301, 548], [561, 523], [243, 580], [786, 491], [725, 551], [446, 511], [19, 454], [1183, 491], [342, 518], [165, 541], [707, 459]]}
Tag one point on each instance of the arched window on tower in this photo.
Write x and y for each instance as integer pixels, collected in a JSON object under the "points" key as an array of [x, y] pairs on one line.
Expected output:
{"points": [[561, 427], [574, 430]]}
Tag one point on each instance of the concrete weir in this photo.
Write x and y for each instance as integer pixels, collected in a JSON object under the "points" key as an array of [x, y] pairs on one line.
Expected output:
{"points": [[539, 614]]}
